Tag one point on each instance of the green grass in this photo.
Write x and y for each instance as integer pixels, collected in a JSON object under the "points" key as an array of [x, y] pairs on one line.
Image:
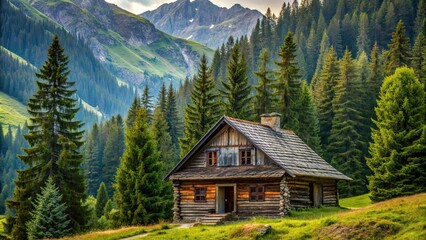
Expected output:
{"points": [[11, 112], [121, 233], [400, 218], [355, 202]]}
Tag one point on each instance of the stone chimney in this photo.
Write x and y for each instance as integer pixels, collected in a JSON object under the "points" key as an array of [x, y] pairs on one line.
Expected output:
{"points": [[272, 120]]}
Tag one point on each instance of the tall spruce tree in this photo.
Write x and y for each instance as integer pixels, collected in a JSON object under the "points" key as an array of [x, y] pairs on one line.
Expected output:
{"points": [[131, 114], [345, 142], [288, 85], [324, 95], [236, 90], [101, 199], [162, 98], [146, 102], [399, 53], [54, 138], [113, 151], [168, 155], [398, 142], [417, 54], [264, 99], [172, 117], [49, 218], [93, 163], [202, 112], [139, 189], [308, 121]]}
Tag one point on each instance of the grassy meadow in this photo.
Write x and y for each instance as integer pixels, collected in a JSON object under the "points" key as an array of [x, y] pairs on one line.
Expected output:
{"points": [[400, 218], [12, 112], [358, 218]]}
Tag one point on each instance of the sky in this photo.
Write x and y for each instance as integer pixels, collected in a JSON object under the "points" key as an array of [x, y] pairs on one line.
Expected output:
{"points": [[140, 6]]}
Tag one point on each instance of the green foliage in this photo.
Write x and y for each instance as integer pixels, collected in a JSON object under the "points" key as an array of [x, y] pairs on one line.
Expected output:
{"points": [[345, 141], [131, 114], [172, 117], [168, 155], [54, 138], [264, 99], [202, 112], [114, 148], [288, 85], [308, 124], [92, 220], [236, 90], [417, 58], [48, 219], [324, 93], [101, 200], [139, 191], [146, 102], [399, 53], [107, 209], [399, 141], [92, 161]]}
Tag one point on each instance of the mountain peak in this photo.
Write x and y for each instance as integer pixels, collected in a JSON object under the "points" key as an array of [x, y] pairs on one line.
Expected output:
{"points": [[203, 21]]}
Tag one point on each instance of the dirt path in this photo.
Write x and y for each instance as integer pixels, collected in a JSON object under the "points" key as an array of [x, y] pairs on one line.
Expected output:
{"points": [[184, 225]]}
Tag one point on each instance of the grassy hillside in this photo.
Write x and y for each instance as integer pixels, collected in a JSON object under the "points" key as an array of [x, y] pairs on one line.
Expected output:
{"points": [[400, 218], [11, 112]]}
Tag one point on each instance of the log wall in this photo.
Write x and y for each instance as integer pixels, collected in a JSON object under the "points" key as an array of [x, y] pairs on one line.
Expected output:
{"points": [[191, 210], [269, 207], [300, 192]]}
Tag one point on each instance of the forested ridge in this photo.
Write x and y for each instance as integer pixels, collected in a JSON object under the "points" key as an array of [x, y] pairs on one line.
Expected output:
{"points": [[348, 77], [28, 38]]}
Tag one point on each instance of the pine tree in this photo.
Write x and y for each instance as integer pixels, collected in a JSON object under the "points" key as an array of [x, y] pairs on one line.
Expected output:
{"points": [[324, 95], [49, 218], [101, 200], [172, 118], [54, 138], [345, 142], [107, 209], [146, 102], [113, 151], [264, 99], [420, 22], [93, 162], [398, 142], [168, 155], [288, 85], [202, 113], [236, 90], [398, 54], [139, 190], [417, 57], [136, 104], [308, 121], [363, 42]]}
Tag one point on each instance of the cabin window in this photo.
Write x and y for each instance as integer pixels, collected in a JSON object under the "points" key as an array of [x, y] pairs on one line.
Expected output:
{"points": [[200, 194], [245, 157], [211, 158], [257, 193]]}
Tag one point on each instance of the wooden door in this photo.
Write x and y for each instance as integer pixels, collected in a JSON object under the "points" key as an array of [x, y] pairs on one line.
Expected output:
{"points": [[317, 194], [229, 199]]}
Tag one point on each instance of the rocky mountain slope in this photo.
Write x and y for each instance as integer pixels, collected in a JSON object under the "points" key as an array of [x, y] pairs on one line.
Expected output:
{"points": [[202, 21], [130, 47]]}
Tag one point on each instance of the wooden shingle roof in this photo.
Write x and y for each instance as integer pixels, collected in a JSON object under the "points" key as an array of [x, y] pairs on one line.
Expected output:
{"points": [[284, 147], [287, 150]]}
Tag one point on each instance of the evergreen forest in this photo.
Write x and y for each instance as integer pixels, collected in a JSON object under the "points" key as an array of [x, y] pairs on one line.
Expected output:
{"points": [[347, 76]]}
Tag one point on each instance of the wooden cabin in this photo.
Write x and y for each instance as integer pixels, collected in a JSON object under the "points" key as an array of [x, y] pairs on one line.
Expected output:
{"points": [[251, 169]]}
